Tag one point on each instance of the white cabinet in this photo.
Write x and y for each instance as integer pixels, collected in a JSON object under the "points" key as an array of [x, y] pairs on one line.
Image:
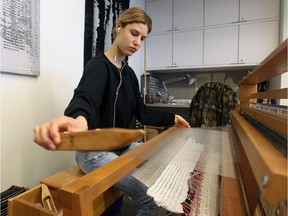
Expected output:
{"points": [[221, 12], [191, 33], [171, 43], [186, 49], [259, 9], [232, 11], [187, 14], [238, 44], [159, 51], [254, 36], [168, 15], [161, 14], [221, 45]]}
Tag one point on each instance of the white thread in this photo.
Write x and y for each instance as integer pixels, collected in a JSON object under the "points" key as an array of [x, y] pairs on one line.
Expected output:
{"points": [[170, 189], [209, 167]]}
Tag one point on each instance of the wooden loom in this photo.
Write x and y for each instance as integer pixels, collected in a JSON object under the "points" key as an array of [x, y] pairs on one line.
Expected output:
{"points": [[76, 194], [263, 170]]}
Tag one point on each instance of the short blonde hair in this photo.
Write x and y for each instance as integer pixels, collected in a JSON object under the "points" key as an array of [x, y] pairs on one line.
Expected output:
{"points": [[133, 15]]}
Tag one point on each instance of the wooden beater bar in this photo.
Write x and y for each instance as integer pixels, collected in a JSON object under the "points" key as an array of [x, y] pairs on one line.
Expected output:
{"points": [[107, 139]]}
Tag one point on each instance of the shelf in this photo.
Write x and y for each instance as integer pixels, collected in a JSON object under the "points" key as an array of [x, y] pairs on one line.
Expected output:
{"points": [[275, 94], [204, 68]]}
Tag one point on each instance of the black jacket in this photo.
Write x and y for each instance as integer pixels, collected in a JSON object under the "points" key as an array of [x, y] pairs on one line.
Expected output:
{"points": [[97, 100]]}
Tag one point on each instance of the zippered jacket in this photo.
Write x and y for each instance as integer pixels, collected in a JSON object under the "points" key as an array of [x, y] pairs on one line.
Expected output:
{"points": [[109, 97]]}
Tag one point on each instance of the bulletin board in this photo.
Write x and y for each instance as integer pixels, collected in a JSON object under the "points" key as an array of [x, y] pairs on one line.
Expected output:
{"points": [[20, 37]]}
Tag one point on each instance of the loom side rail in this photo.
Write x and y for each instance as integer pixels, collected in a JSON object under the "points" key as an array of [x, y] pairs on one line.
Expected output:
{"points": [[267, 162]]}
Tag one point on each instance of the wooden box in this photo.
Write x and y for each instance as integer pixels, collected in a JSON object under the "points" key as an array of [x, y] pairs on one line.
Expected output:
{"points": [[29, 203]]}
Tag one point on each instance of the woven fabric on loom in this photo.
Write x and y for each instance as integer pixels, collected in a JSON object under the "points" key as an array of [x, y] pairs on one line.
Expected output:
{"points": [[202, 197], [170, 189]]}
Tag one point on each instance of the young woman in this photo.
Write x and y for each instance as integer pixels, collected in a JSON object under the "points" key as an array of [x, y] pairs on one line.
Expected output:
{"points": [[108, 96]]}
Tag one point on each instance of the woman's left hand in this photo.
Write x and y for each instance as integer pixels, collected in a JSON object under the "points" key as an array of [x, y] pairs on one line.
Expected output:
{"points": [[181, 122]]}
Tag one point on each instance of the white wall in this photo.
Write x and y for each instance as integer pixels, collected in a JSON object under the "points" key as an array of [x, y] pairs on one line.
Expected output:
{"points": [[29, 101]]}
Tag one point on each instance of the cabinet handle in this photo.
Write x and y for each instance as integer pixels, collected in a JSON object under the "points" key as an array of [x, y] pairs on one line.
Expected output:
{"points": [[241, 21]]}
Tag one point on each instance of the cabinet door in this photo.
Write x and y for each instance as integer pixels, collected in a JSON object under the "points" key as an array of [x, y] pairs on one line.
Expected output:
{"points": [[221, 45], [221, 11], [188, 14], [257, 40], [160, 12], [159, 51], [188, 48], [259, 9]]}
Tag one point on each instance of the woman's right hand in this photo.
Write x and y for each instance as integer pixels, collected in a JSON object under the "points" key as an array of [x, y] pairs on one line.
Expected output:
{"points": [[48, 134]]}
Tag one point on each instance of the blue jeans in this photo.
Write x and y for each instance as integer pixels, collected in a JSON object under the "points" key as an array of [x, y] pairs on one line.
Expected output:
{"points": [[89, 161]]}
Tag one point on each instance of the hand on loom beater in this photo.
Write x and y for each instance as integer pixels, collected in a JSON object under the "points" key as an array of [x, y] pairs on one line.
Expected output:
{"points": [[48, 135], [77, 137]]}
